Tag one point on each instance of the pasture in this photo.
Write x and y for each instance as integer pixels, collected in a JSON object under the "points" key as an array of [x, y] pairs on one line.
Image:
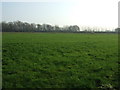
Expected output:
{"points": [[59, 60]]}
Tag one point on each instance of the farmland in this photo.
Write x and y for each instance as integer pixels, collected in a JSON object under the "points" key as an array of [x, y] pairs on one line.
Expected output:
{"points": [[59, 60]]}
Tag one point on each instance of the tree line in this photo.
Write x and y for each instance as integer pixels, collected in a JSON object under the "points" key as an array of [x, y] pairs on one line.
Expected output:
{"points": [[18, 26]]}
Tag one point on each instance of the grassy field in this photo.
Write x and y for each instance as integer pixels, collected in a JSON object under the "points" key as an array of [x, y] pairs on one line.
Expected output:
{"points": [[60, 60]]}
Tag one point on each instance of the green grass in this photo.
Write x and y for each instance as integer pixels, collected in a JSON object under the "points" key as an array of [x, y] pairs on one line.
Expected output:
{"points": [[60, 60]]}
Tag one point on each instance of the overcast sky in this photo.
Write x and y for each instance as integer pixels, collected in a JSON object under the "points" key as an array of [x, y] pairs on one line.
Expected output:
{"points": [[101, 13]]}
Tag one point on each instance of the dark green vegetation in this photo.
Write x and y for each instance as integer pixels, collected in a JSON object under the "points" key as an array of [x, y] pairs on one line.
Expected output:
{"points": [[58, 60]]}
